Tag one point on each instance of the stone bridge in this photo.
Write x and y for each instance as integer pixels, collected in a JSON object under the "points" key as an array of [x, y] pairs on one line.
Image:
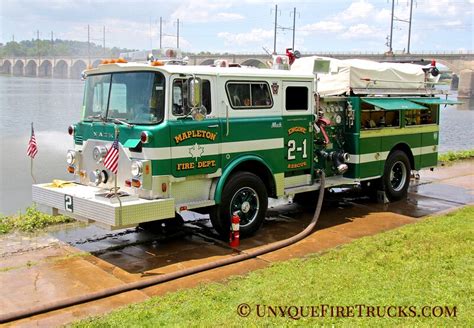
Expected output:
{"points": [[71, 67]]}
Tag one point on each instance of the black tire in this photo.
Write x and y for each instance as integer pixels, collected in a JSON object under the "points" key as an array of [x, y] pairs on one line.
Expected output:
{"points": [[396, 176], [245, 193]]}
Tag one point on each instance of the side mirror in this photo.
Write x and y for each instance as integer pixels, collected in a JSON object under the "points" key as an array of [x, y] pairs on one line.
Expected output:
{"points": [[194, 92]]}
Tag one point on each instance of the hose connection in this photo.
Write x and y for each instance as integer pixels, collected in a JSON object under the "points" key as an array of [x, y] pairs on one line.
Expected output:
{"points": [[339, 159]]}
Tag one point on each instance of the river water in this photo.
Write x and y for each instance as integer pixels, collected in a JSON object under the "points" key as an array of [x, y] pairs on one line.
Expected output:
{"points": [[54, 104]]}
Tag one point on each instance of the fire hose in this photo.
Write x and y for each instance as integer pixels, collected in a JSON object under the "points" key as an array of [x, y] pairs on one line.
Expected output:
{"points": [[16, 315]]}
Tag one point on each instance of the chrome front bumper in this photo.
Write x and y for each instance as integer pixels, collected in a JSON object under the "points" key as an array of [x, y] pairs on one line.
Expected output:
{"points": [[88, 203]]}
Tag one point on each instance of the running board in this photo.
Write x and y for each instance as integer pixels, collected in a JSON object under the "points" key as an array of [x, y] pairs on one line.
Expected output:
{"points": [[336, 180]]}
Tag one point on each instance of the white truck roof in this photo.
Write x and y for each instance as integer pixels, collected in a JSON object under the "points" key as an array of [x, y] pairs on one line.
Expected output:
{"points": [[203, 70]]}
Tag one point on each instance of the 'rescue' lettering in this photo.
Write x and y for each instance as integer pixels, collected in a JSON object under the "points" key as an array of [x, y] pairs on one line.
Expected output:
{"points": [[195, 134], [297, 165]]}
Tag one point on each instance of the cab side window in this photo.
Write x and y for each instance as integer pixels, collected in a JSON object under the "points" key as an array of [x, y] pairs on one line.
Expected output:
{"points": [[296, 98], [179, 97], [249, 95]]}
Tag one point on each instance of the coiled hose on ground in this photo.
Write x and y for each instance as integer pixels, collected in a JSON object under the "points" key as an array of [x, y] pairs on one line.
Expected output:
{"points": [[8, 317]]}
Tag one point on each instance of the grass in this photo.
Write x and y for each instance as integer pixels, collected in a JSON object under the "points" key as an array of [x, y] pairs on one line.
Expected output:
{"points": [[29, 221], [428, 263], [456, 155]]}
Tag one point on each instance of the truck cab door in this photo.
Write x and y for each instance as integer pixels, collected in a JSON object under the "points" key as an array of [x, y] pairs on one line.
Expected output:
{"points": [[297, 122], [194, 144]]}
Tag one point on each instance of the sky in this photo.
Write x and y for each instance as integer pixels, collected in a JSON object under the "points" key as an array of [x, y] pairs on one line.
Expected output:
{"points": [[245, 26]]}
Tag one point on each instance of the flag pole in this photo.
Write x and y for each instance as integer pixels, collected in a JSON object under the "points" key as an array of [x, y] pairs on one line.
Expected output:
{"points": [[115, 179], [31, 159]]}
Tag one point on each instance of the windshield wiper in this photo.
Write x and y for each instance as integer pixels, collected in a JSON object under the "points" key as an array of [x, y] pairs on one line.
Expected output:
{"points": [[99, 116], [122, 121]]}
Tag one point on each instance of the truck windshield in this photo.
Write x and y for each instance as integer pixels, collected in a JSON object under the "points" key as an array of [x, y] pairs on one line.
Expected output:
{"points": [[134, 97]]}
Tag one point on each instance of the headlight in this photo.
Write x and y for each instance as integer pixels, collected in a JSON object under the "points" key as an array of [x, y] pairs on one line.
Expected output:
{"points": [[71, 157], [95, 177], [99, 153], [137, 168]]}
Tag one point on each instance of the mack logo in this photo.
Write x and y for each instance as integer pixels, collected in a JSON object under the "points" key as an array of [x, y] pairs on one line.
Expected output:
{"points": [[195, 134], [276, 125], [103, 134]]}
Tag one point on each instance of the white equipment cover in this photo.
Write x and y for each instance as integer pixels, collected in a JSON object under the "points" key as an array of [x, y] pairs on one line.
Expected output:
{"points": [[353, 74]]}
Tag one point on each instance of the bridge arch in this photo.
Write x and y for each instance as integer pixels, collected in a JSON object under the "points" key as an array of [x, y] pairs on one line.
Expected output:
{"points": [[60, 70], [254, 63], [6, 67], [31, 68], [76, 69], [456, 66], [19, 68], [45, 69]]}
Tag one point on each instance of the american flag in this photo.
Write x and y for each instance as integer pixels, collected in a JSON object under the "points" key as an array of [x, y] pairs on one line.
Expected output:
{"points": [[112, 157], [32, 147]]}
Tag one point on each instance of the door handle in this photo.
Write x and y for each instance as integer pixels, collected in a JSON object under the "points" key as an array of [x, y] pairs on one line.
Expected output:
{"points": [[213, 126]]}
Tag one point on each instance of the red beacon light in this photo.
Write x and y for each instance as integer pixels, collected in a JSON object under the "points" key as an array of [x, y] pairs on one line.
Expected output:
{"points": [[280, 62], [70, 130]]}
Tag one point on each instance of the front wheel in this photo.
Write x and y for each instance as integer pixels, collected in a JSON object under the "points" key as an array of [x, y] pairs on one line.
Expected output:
{"points": [[245, 194], [396, 178]]}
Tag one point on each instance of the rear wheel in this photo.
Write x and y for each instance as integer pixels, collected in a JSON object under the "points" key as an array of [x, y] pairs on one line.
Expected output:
{"points": [[245, 194], [396, 177]]}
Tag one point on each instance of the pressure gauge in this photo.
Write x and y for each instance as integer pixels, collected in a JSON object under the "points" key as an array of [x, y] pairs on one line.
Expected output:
{"points": [[338, 119]]}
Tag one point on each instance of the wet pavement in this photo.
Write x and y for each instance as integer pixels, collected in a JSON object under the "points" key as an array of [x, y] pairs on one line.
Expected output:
{"points": [[77, 259]]}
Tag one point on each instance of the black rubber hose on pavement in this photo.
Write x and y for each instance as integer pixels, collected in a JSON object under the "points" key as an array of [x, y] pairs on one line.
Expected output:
{"points": [[12, 316]]}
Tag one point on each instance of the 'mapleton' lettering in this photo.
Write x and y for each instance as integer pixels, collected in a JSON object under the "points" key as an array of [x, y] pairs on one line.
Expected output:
{"points": [[195, 134]]}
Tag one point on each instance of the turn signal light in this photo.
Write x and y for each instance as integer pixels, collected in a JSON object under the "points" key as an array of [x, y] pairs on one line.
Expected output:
{"points": [[70, 130], [164, 187], [128, 183], [70, 169], [136, 183], [113, 61]]}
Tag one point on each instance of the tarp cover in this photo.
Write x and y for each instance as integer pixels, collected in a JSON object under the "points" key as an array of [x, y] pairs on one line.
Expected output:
{"points": [[349, 73]]}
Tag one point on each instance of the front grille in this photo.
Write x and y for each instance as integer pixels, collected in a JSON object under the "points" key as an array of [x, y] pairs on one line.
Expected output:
{"points": [[78, 140]]}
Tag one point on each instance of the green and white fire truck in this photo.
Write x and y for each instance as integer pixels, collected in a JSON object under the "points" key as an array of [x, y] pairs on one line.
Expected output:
{"points": [[221, 139]]}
